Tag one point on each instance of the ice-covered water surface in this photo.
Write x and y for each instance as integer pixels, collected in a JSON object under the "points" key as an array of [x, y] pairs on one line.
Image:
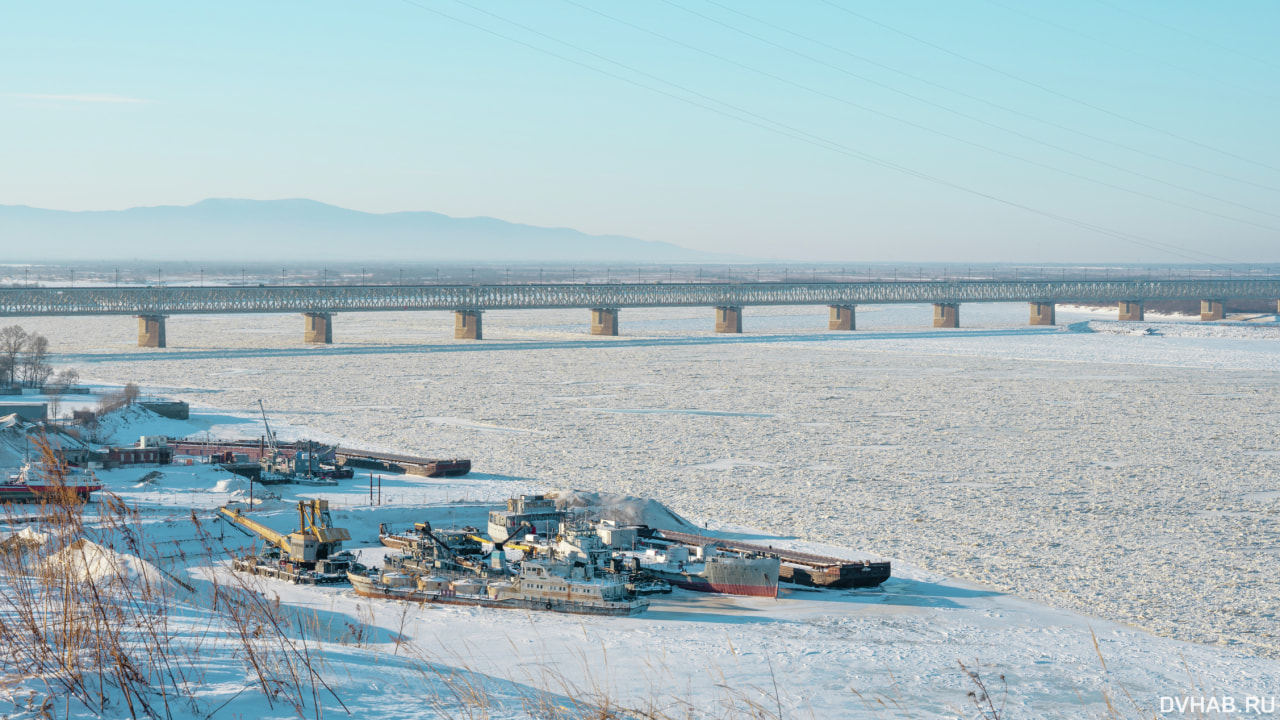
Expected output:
{"points": [[1123, 475]]}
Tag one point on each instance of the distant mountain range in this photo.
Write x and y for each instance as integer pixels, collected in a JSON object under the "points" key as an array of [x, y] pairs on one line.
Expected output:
{"points": [[273, 230]]}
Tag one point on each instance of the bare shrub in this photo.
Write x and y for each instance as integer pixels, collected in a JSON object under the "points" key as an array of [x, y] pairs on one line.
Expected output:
{"points": [[111, 402], [88, 612]]}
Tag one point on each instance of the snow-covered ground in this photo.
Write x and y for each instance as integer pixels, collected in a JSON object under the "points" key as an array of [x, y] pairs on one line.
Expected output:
{"points": [[1063, 478]]}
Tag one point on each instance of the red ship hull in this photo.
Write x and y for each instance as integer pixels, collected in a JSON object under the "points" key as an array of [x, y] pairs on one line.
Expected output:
{"points": [[36, 493]]}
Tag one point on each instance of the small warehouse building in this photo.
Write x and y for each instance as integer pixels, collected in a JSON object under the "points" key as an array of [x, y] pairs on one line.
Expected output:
{"points": [[147, 452]]}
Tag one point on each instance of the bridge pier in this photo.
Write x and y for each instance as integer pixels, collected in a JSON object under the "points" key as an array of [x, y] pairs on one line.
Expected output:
{"points": [[151, 331], [1043, 313], [729, 320], [946, 315], [1211, 310], [467, 325], [604, 321], [1131, 310], [318, 328], [842, 318]]}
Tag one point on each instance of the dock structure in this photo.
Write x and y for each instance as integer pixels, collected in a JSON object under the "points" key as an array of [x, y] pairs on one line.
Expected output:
{"points": [[799, 568], [254, 450], [318, 304]]}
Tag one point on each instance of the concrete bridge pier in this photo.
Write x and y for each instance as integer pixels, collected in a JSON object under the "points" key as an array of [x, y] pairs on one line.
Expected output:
{"points": [[1042, 313], [729, 320], [151, 331], [318, 328], [842, 318], [946, 315], [1211, 310], [604, 321], [1131, 310], [467, 325]]}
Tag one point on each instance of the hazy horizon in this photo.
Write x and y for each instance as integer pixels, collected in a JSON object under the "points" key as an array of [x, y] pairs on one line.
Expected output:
{"points": [[819, 131]]}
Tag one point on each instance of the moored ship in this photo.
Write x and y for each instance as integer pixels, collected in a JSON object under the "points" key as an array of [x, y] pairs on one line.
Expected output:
{"points": [[799, 568], [536, 587], [37, 482], [710, 571], [538, 512]]}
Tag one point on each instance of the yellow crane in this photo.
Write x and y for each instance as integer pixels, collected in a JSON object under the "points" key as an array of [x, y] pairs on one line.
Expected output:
{"points": [[316, 540]]}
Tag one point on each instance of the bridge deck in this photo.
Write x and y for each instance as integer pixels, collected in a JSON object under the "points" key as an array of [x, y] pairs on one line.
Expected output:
{"points": [[372, 298]]}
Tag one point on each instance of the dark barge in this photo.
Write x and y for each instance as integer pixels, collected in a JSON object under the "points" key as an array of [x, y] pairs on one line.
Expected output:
{"points": [[799, 568]]}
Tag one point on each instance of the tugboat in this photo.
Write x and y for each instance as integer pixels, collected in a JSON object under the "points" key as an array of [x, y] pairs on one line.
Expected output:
{"points": [[40, 482], [536, 587]]}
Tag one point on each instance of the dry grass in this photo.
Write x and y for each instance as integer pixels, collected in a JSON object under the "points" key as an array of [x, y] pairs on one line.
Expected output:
{"points": [[88, 613], [89, 616]]}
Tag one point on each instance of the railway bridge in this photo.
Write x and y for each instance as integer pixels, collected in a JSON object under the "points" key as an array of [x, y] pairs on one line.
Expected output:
{"points": [[318, 304]]}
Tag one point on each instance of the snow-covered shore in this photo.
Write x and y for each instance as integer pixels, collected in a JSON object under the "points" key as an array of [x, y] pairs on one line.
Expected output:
{"points": [[1129, 478]]}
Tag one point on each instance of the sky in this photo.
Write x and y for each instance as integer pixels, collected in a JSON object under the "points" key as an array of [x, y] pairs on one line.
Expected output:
{"points": [[837, 130]]}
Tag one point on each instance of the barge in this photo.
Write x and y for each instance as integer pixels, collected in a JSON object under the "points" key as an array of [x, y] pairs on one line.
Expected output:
{"points": [[708, 570], [798, 568]]}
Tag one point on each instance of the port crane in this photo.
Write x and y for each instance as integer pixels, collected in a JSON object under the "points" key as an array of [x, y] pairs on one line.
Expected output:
{"points": [[316, 545]]}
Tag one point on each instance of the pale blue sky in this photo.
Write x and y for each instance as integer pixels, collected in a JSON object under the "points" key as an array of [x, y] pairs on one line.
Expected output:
{"points": [[1164, 118]]}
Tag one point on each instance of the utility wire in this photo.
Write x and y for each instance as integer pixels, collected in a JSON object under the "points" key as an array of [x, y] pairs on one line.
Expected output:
{"points": [[750, 118], [942, 133], [1127, 49], [1047, 89], [1180, 31], [989, 103]]}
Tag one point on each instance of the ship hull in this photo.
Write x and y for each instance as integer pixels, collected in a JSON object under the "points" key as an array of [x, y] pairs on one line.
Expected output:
{"points": [[842, 577], [370, 589], [756, 577], [800, 568], [285, 572], [698, 584], [398, 542], [42, 493]]}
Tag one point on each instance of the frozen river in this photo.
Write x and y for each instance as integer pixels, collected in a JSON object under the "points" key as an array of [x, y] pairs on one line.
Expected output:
{"points": [[1132, 477]]}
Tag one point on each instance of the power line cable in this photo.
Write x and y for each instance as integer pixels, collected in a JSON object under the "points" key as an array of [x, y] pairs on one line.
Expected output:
{"points": [[942, 133], [1186, 33], [1128, 49], [1047, 89], [758, 121], [989, 103]]}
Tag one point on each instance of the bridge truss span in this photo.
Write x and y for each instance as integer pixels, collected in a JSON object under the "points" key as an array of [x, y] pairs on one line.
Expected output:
{"points": [[180, 300]]}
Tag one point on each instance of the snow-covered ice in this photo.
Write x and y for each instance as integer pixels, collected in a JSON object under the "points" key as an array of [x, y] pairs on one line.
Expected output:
{"points": [[1064, 480]]}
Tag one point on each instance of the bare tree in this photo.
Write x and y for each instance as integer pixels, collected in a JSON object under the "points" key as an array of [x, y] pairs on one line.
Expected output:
{"points": [[114, 401], [57, 387], [35, 361], [12, 341]]}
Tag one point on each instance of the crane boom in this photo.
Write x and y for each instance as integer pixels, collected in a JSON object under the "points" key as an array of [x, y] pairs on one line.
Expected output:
{"points": [[266, 533], [271, 437]]}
